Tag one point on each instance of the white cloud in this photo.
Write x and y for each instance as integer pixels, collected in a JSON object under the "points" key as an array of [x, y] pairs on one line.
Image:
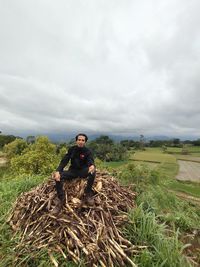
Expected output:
{"points": [[120, 67]]}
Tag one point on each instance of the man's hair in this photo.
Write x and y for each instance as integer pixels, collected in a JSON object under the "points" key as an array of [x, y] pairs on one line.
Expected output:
{"points": [[86, 138]]}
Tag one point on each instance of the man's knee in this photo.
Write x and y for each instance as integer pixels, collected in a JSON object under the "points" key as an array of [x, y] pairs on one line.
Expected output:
{"points": [[66, 175]]}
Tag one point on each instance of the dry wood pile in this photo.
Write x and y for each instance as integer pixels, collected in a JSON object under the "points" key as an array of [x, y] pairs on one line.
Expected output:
{"points": [[81, 231]]}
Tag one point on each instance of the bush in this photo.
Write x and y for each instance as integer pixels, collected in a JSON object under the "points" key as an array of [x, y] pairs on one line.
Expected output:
{"points": [[5, 139], [105, 149], [139, 174], [15, 148], [38, 158]]}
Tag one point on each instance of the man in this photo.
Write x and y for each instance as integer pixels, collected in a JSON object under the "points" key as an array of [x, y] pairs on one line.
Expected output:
{"points": [[82, 165]]}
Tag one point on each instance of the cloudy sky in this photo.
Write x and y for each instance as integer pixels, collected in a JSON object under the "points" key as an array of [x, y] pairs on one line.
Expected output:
{"points": [[121, 67]]}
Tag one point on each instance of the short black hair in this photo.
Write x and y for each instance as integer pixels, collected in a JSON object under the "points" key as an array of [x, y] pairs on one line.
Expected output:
{"points": [[86, 138]]}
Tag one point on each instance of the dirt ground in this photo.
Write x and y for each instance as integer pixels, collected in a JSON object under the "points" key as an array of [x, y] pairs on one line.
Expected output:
{"points": [[188, 171]]}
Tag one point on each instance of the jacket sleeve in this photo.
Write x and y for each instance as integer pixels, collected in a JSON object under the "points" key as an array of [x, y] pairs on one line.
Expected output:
{"points": [[90, 159], [64, 160]]}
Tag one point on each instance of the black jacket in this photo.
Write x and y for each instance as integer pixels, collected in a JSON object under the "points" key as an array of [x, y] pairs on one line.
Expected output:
{"points": [[81, 157]]}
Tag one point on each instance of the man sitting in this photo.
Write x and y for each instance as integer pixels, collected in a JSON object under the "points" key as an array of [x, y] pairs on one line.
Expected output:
{"points": [[82, 165]]}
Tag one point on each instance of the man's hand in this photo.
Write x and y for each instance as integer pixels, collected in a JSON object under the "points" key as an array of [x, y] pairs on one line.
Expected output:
{"points": [[56, 176], [91, 169]]}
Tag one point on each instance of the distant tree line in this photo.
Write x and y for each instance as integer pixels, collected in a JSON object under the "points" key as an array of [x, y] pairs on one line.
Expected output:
{"points": [[105, 149], [6, 139]]}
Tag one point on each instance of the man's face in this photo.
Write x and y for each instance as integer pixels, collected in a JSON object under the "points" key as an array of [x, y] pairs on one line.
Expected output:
{"points": [[80, 141]]}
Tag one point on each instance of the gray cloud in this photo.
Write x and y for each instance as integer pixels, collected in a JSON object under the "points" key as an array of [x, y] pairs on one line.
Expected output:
{"points": [[122, 67]]}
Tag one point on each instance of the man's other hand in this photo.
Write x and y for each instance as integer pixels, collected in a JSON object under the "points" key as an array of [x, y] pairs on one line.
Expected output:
{"points": [[91, 169], [56, 176]]}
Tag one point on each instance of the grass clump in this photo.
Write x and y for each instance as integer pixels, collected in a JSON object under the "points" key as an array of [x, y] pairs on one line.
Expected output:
{"points": [[10, 189], [163, 249], [140, 175], [175, 212]]}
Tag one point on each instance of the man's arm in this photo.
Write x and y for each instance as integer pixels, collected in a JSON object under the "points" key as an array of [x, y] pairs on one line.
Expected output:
{"points": [[64, 161], [90, 161], [62, 164]]}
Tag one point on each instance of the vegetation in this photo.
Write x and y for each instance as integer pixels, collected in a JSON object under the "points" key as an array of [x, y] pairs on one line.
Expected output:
{"points": [[38, 158], [15, 148], [105, 149], [160, 221], [5, 139], [152, 156]]}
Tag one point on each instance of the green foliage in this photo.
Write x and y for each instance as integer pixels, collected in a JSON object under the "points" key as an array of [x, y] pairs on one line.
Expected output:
{"points": [[175, 212], [153, 156], [141, 175], [30, 139], [5, 139], [130, 144], [15, 148], [159, 143], [105, 149], [162, 250], [62, 151], [38, 158], [188, 188], [10, 189], [104, 140], [196, 142], [61, 148]]}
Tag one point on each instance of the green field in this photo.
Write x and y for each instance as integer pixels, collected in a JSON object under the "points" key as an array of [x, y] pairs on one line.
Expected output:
{"points": [[169, 168], [160, 220], [153, 156], [192, 150]]}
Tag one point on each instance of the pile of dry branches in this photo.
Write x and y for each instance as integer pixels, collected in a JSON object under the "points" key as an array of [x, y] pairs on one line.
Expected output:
{"points": [[81, 231]]}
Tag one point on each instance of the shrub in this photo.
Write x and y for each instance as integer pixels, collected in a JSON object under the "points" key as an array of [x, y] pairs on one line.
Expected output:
{"points": [[38, 158], [15, 148], [139, 174]]}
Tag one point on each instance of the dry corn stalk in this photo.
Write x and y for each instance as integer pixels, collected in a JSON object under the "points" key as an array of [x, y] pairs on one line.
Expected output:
{"points": [[80, 230]]}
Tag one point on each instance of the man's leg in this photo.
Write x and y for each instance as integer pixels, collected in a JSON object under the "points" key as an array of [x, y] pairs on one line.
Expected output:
{"points": [[90, 179], [64, 176]]}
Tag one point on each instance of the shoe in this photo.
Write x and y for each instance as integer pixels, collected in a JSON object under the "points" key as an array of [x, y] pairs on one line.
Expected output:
{"points": [[59, 203], [88, 197], [89, 192]]}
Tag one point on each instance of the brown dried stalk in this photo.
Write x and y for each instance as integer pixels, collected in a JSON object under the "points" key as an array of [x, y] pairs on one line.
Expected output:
{"points": [[84, 230]]}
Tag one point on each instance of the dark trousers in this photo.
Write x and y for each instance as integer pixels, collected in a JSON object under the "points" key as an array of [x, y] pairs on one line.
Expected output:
{"points": [[72, 174]]}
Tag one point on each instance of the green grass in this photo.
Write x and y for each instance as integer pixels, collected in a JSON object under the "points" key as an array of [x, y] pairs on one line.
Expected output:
{"points": [[168, 170], [174, 149], [114, 164], [118, 165], [155, 222], [188, 188], [10, 189], [152, 156], [193, 158], [162, 250], [178, 150]]}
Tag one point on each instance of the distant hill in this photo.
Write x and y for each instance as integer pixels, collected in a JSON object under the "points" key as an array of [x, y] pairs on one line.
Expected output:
{"points": [[66, 137], [59, 138]]}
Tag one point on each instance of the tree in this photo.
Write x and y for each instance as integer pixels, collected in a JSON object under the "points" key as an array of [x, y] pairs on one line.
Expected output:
{"points": [[176, 141], [5, 139], [38, 158], [104, 149], [128, 144], [142, 142], [196, 142], [15, 148], [104, 139], [30, 139]]}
